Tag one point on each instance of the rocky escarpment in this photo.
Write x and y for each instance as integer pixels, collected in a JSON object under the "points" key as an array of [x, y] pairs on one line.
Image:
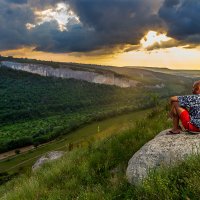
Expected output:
{"points": [[162, 150], [65, 72]]}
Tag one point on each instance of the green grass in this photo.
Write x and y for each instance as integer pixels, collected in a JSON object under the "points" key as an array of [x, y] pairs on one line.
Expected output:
{"points": [[107, 127], [97, 171], [178, 182]]}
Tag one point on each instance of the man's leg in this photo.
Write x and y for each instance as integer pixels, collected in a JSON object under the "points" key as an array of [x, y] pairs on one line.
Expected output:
{"points": [[172, 112], [175, 112]]}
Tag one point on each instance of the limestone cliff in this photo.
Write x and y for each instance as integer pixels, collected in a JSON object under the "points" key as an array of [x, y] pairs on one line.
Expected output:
{"points": [[65, 72]]}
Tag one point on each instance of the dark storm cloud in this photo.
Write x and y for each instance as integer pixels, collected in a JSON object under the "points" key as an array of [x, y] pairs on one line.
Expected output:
{"points": [[17, 1], [77, 39], [49, 39], [14, 15], [116, 21], [42, 4], [182, 19], [13, 32], [104, 24]]}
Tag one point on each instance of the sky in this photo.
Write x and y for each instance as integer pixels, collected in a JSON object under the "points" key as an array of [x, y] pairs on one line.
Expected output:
{"points": [[156, 33]]}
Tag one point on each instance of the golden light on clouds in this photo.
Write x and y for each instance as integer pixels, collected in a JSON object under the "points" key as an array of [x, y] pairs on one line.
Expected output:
{"points": [[62, 14], [137, 55], [29, 52], [152, 37], [174, 58]]}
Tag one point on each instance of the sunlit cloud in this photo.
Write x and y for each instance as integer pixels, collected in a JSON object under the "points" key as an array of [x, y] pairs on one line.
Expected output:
{"points": [[62, 14], [30, 26], [154, 40], [152, 37]]}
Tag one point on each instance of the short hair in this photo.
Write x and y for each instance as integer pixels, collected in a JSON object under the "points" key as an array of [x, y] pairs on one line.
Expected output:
{"points": [[196, 87], [196, 84]]}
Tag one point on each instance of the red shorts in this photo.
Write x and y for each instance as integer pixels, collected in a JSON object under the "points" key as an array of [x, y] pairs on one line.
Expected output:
{"points": [[185, 120]]}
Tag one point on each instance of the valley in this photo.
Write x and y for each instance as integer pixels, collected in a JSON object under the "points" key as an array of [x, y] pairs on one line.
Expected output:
{"points": [[57, 98], [49, 106]]}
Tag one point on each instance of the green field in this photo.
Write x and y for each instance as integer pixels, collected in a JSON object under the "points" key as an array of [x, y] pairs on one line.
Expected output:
{"points": [[95, 131]]}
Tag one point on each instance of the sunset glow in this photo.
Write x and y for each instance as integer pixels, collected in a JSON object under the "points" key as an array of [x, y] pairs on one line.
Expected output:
{"points": [[173, 58], [153, 37]]}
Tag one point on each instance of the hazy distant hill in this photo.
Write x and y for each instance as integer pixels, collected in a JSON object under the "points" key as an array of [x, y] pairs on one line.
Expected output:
{"points": [[120, 76], [185, 73]]}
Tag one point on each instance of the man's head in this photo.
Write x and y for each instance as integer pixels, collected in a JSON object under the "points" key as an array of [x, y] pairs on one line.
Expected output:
{"points": [[196, 87]]}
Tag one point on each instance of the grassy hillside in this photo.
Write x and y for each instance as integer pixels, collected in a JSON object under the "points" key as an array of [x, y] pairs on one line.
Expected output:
{"points": [[96, 130], [97, 171]]}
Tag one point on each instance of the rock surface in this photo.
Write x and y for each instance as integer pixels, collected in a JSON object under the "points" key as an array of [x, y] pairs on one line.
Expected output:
{"points": [[162, 150], [53, 155]]}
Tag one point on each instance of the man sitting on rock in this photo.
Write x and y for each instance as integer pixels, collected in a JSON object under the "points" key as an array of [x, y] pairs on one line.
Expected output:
{"points": [[187, 109]]}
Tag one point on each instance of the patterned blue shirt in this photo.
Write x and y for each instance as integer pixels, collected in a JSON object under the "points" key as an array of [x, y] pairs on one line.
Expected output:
{"points": [[192, 103]]}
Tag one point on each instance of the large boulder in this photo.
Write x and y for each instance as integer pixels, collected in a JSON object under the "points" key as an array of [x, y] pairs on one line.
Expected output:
{"points": [[162, 150], [53, 155]]}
